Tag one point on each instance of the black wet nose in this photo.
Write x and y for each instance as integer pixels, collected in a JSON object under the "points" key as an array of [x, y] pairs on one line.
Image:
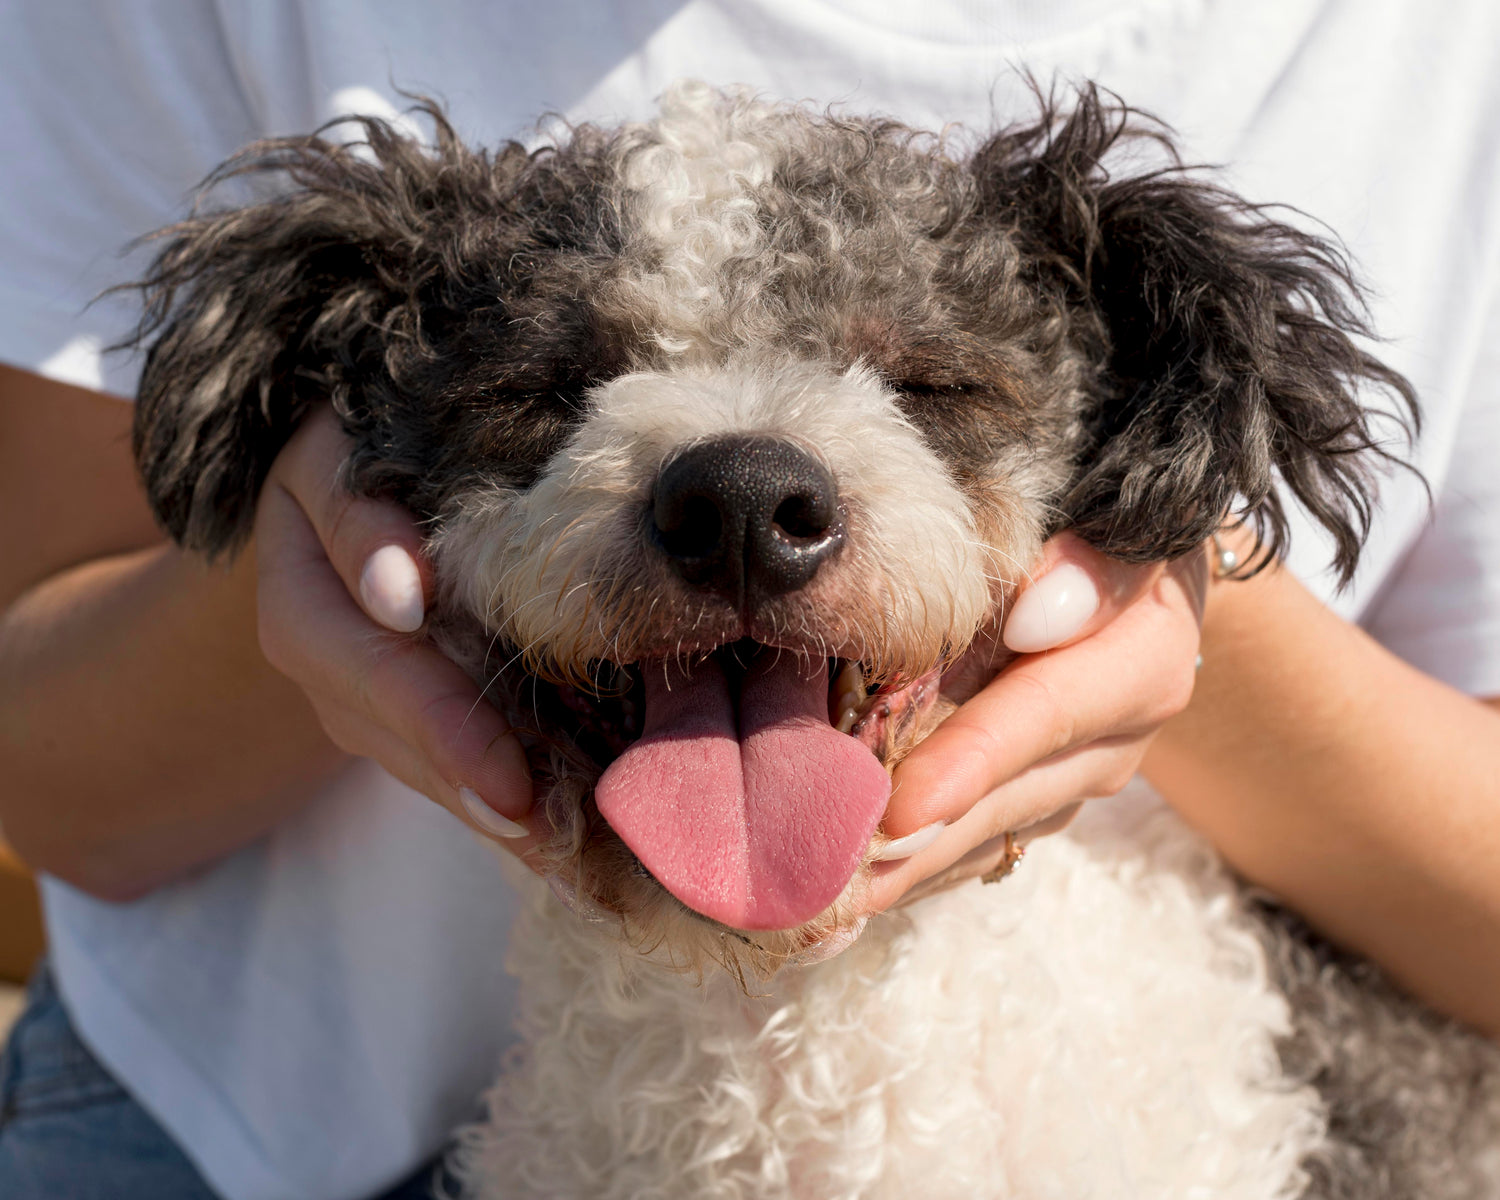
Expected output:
{"points": [[746, 516]]}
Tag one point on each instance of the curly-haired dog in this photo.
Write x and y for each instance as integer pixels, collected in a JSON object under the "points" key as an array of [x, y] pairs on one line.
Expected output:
{"points": [[734, 432]]}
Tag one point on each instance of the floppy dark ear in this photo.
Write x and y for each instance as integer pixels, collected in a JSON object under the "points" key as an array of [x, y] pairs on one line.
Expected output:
{"points": [[318, 294], [1225, 341], [253, 315]]}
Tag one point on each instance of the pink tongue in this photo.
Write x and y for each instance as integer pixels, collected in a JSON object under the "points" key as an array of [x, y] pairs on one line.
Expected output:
{"points": [[758, 826]]}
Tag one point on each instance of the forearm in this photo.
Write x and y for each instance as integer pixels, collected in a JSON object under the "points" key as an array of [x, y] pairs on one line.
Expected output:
{"points": [[142, 733], [1362, 792]]}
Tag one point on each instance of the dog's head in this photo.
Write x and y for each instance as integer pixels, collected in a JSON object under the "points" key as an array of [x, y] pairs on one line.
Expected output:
{"points": [[734, 429]]}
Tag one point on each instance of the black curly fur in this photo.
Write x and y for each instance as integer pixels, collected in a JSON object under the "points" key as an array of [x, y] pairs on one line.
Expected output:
{"points": [[1226, 342]]}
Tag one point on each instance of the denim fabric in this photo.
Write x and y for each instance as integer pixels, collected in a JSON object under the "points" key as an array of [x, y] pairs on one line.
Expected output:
{"points": [[69, 1131]]}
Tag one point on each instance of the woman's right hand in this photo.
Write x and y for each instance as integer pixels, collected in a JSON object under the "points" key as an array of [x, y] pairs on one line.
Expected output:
{"points": [[342, 589]]}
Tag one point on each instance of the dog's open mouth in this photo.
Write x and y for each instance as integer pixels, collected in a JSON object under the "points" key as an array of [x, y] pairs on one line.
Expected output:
{"points": [[749, 782]]}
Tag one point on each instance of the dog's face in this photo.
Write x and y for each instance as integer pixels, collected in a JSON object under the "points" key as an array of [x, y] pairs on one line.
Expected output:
{"points": [[735, 430]]}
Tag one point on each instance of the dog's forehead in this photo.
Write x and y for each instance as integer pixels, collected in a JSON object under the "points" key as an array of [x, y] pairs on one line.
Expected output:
{"points": [[746, 224]]}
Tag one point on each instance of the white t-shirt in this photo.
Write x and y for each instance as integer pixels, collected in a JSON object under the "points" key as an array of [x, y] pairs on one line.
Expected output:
{"points": [[309, 1017]]}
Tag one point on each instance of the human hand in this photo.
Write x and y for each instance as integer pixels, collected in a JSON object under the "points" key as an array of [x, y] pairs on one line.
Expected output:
{"points": [[1106, 655], [378, 692]]}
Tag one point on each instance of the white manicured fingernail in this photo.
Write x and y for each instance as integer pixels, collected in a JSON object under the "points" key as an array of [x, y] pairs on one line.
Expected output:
{"points": [[572, 901], [391, 588], [487, 818], [906, 846], [1052, 609], [830, 947]]}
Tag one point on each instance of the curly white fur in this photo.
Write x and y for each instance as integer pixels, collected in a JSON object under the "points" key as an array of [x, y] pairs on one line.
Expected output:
{"points": [[690, 176], [1102, 1025]]}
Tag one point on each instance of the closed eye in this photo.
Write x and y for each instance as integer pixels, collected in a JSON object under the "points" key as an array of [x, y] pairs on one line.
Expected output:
{"points": [[953, 387]]}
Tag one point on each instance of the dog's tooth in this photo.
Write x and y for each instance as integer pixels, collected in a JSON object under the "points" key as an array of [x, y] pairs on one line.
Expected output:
{"points": [[847, 717], [850, 684]]}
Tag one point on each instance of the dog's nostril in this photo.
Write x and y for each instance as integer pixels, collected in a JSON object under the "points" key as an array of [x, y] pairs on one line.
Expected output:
{"points": [[804, 517], [688, 527]]}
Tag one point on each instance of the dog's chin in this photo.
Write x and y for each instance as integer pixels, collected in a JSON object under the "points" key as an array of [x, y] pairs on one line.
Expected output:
{"points": [[638, 769]]}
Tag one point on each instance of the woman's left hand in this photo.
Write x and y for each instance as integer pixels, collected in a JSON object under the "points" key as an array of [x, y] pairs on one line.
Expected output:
{"points": [[1106, 654]]}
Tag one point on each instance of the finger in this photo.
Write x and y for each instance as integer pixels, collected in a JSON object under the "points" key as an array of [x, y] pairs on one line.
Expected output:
{"points": [[1040, 801], [1056, 823], [358, 735], [984, 858], [374, 546], [429, 700], [1043, 705], [312, 630], [1073, 592]]}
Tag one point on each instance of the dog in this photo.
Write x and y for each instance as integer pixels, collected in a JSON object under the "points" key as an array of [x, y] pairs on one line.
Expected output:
{"points": [[735, 432]]}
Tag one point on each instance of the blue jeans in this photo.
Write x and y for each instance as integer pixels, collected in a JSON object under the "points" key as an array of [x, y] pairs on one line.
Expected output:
{"points": [[69, 1131]]}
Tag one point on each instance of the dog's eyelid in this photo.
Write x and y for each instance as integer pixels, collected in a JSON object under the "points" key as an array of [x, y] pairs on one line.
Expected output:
{"points": [[953, 387]]}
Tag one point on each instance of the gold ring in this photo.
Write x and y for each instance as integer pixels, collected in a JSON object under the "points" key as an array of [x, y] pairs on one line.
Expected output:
{"points": [[1014, 853]]}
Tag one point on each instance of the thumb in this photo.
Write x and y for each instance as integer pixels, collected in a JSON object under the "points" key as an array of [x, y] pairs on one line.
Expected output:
{"points": [[1073, 593]]}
